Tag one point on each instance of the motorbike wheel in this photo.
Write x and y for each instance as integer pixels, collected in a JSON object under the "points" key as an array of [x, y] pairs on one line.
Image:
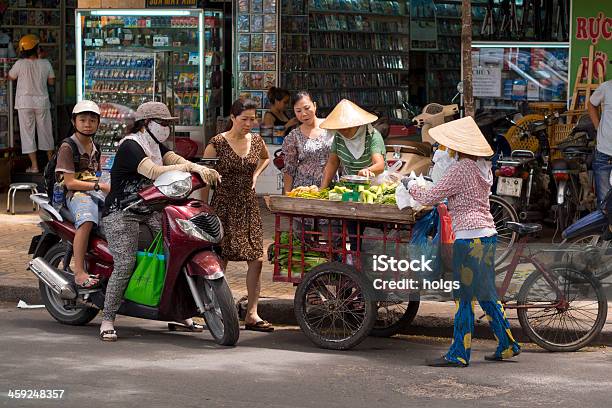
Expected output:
{"points": [[64, 311], [567, 212], [221, 315], [586, 252], [503, 212], [333, 306], [393, 317], [566, 326]]}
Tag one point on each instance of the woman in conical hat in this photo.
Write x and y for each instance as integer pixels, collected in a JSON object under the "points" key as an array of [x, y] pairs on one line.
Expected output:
{"points": [[466, 185], [357, 146]]}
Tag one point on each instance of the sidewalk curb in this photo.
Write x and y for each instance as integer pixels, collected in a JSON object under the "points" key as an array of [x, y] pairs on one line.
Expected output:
{"points": [[280, 311]]}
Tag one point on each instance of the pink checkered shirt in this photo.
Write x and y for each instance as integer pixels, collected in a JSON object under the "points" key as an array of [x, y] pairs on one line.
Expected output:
{"points": [[468, 196]]}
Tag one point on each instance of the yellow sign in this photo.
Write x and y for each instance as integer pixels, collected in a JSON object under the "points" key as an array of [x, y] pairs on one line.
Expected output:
{"points": [[172, 3]]}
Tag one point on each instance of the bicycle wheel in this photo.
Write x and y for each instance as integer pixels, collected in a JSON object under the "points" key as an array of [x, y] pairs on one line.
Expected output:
{"points": [[333, 306], [393, 317], [503, 212], [563, 311]]}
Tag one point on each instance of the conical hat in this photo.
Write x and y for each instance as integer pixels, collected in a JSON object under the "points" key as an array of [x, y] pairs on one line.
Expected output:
{"points": [[462, 135], [347, 115]]}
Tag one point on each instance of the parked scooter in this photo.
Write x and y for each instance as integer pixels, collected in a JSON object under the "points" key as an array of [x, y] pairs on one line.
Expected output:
{"points": [[574, 182], [524, 178], [195, 282]]}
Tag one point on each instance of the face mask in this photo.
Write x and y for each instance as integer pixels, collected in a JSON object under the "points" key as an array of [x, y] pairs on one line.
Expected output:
{"points": [[159, 132]]}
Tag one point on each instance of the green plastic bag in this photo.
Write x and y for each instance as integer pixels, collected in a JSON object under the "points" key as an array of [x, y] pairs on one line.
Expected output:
{"points": [[147, 282]]}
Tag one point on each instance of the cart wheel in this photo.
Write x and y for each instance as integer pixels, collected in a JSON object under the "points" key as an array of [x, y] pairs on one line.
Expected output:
{"points": [[333, 306], [393, 317]]}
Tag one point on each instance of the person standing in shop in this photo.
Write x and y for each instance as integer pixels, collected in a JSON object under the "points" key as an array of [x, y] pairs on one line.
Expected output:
{"points": [[602, 161], [33, 74], [277, 116]]}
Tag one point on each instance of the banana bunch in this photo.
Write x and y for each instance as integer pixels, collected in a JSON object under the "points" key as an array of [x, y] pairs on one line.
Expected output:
{"points": [[306, 192]]}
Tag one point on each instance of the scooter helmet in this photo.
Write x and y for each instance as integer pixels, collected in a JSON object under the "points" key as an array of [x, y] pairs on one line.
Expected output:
{"points": [[86, 106], [28, 42]]}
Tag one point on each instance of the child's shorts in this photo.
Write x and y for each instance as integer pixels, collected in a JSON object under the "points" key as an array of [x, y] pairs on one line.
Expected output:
{"points": [[83, 209]]}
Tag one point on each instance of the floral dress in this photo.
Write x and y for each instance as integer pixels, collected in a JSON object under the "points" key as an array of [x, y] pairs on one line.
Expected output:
{"points": [[305, 158], [235, 202]]}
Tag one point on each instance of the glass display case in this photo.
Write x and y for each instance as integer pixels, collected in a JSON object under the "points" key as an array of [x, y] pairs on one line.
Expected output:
{"points": [[6, 104], [508, 74], [119, 82], [192, 42]]}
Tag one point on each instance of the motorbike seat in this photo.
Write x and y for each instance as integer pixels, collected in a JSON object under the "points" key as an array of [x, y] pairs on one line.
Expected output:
{"points": [[559, 164], [523, 229], [577, 150]]}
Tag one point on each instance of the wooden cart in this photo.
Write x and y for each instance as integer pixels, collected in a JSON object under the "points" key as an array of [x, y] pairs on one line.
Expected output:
{"points": [[320, 246]]}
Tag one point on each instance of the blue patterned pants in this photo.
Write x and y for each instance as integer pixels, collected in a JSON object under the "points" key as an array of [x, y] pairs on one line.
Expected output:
{"points": [[474, 267]]}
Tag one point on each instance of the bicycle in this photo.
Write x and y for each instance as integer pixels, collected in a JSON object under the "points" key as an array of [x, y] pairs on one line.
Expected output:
{"points": [[561, 307]]}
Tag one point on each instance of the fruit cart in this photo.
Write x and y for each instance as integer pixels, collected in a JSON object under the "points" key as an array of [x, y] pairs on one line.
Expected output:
{"points": [[324, 247]]}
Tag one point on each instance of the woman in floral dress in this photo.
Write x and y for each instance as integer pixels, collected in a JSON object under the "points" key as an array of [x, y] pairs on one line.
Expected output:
{"points": [[242, 158], [306, 148]]}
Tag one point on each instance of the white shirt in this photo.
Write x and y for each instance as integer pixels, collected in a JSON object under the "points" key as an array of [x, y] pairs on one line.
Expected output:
{"points": [[603, 96], [32, 76]]}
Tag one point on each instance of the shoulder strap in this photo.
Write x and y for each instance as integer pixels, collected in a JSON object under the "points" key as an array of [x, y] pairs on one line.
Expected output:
{"points": [[76, 156], [98, 152]]}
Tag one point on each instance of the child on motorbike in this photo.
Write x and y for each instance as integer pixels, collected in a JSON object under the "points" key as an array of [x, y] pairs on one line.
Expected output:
{"points": [[140, 159], [79, 179]]}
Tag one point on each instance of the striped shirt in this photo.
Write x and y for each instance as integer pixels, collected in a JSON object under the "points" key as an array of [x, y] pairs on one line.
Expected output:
{"points": [[374, 145]]}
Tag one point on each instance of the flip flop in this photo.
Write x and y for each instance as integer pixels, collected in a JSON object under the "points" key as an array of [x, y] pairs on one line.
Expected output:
{"points": [[260, 326], [108, 335], [88, 283], [194, 328]]}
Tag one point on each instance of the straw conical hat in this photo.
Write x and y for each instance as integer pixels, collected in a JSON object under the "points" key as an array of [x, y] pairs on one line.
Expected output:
{"points": [[462, 135], [347, 115]]}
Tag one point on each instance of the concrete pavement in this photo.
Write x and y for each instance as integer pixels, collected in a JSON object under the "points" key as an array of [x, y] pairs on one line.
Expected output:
{"points": [[151, 367]]}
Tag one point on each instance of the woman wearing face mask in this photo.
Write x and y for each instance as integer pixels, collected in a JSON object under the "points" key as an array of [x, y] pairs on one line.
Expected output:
{"points": [[467, 185], [306, 147], [242, 157], [140, 159], [357, 145]]}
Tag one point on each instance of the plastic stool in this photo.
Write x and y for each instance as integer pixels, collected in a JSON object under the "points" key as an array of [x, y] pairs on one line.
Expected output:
{"points": [[13, 188]]}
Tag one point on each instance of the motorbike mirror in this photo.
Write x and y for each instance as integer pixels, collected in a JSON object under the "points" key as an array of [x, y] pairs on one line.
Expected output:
{"points": [[460, 87]]}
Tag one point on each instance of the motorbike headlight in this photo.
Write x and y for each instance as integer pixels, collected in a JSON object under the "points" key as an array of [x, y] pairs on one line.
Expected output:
{"points": [[177, 189], [193, 230]]}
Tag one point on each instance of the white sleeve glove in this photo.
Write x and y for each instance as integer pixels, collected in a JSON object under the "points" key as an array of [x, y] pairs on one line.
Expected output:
{"points": [[209, 176]]}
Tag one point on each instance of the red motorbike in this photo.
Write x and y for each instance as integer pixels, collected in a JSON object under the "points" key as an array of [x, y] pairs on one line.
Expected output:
{"points": [[195, 282]]}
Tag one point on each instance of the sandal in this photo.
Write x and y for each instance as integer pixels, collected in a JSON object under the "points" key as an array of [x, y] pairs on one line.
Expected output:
{"points": [[91, 282], [108, 335], [260, 326], [194, 328]]}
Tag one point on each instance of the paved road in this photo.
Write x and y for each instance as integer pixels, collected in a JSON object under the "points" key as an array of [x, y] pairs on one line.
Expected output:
{"points": [[150, 367]]}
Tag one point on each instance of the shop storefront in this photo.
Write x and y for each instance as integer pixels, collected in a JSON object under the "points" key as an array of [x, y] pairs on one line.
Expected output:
{"points": [[197, 56]]}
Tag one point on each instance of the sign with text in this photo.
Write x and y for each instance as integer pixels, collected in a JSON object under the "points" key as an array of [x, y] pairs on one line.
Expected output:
{"points": [[486, 81], [172, 3], [592, 25]]}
